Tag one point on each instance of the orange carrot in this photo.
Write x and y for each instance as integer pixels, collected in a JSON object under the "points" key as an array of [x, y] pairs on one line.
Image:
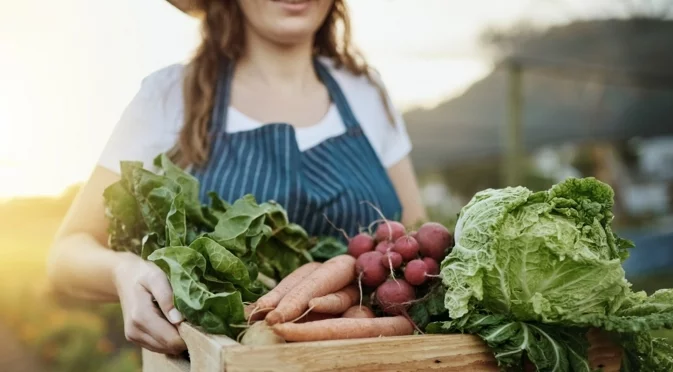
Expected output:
{"points": [[338, 302], [331, 276], [344, 328], [271, 299], [358, 311], [312, 317]]}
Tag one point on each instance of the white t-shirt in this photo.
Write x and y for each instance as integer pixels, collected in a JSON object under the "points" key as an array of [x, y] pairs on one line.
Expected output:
{"points": [[152, 121]]}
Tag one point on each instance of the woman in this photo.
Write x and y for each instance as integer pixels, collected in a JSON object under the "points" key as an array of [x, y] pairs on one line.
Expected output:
{"points": [[262, 64]]}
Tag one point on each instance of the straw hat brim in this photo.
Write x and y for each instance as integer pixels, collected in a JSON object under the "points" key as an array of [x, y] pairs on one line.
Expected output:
{"points": [[188, 6]]}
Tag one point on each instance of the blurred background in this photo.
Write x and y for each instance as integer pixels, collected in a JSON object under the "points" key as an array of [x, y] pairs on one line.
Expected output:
{"points": [[494, 93]]}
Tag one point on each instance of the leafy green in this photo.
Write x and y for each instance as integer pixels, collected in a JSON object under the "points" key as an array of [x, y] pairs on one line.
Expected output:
{"points": [[549, 348], [429, 306], [212, 254], [548, 256], [327, 248], [531, 272]]}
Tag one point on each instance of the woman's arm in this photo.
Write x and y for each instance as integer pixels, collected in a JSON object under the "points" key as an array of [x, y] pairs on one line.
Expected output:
{"points": [[403, 177], [81, 266]]}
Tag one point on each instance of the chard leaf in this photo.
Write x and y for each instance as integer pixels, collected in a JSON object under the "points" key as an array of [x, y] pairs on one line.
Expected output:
{"points": [[283, 260], [215, 312], [327, 248], [224, 264], [431, 305], [149, 245], [155, 195], [176, 222], [126, 223], [189, 185]]}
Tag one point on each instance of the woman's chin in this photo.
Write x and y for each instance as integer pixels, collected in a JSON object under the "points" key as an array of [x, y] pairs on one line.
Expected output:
{"points": [[293, 35]]}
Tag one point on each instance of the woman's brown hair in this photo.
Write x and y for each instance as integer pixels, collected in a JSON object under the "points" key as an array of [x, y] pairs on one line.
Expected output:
{"points": [[222, 40]]}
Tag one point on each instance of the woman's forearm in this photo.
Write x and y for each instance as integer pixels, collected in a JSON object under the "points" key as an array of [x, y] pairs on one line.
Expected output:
{"points": [[81, 268]]}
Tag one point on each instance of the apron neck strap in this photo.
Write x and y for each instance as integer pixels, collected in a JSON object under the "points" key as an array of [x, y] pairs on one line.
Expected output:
{"points": [[336, 94]]}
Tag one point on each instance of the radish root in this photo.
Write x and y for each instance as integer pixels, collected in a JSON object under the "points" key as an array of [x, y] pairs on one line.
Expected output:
{"points": [[255, 311], [336, 228], [302, 315], [390, 229], [360, 287]]}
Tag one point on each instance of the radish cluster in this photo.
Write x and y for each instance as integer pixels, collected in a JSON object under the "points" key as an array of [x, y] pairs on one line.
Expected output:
{"points": [[393, 262]]}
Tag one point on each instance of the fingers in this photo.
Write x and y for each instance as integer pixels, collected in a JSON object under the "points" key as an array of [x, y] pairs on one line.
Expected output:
{"points": [[156, 283], [144, 325]]}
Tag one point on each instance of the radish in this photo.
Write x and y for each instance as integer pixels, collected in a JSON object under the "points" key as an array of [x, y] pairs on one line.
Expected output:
{"points": [[433, 266], [394, 296], [390, 231], [361, 243], [433, 240], [416, 272], [391, 260], [384, 247], [369, 269], [407, 247]]}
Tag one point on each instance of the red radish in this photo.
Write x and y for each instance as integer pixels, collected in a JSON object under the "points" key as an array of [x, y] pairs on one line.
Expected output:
{"points": [[390, 231], [391, 258], [384, 247], [433, 266], [369, 269], [360, 244], [394, 296], [413, 234], [416, 272], [433, 240], [407, 247]]}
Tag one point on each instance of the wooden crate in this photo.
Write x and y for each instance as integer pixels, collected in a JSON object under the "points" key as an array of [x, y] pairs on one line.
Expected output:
{"points": [[210, 353]]}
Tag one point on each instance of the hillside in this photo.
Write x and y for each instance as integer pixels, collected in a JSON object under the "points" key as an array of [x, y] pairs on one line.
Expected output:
{"points": [[589, 80]]}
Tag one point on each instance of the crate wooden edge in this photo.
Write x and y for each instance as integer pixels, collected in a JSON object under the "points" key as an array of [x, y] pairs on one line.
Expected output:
{"points": [[213, 353]]}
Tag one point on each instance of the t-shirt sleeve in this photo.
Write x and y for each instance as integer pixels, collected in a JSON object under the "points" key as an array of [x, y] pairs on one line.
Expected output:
{"points": [[396, 143], [143, 130]]}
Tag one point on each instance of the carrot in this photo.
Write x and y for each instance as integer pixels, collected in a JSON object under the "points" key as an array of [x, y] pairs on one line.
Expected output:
{"points": [[271, 299], [312, 317], [358, 311], [338, 302], [331, 276], [344, 328]]}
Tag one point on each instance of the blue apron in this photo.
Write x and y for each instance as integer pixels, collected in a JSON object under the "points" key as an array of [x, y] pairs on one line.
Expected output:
{"points": [[323, 185]]}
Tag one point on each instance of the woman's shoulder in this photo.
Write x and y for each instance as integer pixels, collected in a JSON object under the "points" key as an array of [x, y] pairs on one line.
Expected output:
{"points": [[163, 80], [151, 121]]}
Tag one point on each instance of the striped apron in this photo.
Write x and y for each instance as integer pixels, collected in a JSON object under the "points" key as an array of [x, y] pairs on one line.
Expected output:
{"points": [[323, 187]]}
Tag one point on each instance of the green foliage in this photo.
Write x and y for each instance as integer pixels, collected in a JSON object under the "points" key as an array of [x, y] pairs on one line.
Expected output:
{"points": [[212, 254], [532, 272]]}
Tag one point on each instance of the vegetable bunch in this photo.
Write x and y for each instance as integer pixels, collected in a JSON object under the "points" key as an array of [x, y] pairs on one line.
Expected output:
{"points": [[533, 272], [398, 265], [216, 256], [317, 302]]}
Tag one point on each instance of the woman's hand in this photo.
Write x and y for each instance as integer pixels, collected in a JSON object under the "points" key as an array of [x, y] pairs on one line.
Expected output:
{"points": [[139, 283]]}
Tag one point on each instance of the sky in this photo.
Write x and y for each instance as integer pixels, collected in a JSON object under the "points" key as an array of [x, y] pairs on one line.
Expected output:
{"points": [[69, 67]]}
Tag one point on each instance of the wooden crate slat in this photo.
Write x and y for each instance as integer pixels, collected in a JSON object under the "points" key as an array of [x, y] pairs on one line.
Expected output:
{"points": [[153, 362], [411, 353], [450, 353], [205, 351]]}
